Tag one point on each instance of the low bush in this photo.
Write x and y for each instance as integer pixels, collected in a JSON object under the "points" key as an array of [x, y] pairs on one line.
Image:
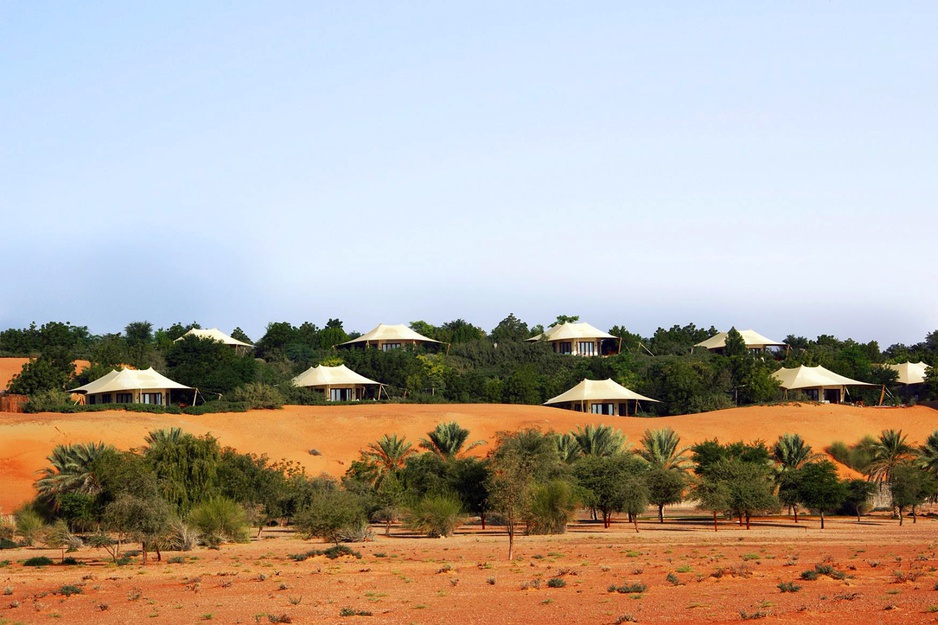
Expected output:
{"points": [[629, 588], [220, 519], [211, 407], [259, 396], [38, 561], [436, 516]]}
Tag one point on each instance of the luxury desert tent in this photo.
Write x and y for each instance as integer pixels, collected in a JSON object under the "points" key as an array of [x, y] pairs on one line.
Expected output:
{"points": [[754, 341], [387, 337], [579, 339], [217, 335], [337, 383], [818, 383], [129, 386], [605, 397], [909, 372]]}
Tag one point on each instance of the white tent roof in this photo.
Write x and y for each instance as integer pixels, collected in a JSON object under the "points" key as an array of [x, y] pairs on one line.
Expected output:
{"points": [[597, 390], [812, 377], [910, 372], [216, 335], [399, 332], [128, 380], [572, 331], [330, 376], [751, 338]]}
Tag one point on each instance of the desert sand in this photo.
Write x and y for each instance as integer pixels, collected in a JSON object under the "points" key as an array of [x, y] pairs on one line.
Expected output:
{"points": [[336, 433]]}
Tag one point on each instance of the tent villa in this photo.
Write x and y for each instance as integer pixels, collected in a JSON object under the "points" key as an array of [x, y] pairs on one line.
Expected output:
{"points": [[337, 383], [909, 372], [129, 386], [599, 397], [387, 337], [579, 339], [818, 383], [217, 335], [754, 341]]}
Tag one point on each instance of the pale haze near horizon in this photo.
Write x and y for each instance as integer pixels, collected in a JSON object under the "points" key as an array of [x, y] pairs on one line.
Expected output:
{"points": [[763, 165]]}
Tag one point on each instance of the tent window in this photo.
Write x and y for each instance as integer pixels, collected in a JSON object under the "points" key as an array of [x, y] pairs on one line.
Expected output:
{"points": [[152, 398], [389, 346], [810, 393], [565, 347], [125, 398], [586, 348], [340, 394], [606, 409], [104, 398]]}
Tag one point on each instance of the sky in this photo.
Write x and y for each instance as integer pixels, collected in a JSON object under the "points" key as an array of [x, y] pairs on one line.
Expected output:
{"points": [[766, 165]]}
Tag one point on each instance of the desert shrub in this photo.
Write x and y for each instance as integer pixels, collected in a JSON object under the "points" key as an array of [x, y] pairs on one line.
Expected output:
{"points": [[628, 588], [7, 532], [211, 407], [29, 525], [180, 536], [357, 532], [436, 515], [220, 519], [556, 582], [48, 401], [330, 515], [38, 561], [69, 589], [259, 396], [789, 587], [553, 505], [810, 575]]}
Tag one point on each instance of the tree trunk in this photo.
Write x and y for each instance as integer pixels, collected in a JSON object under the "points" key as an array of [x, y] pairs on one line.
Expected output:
{"points": [[635, 521], [143, 549], [900, 516], [661, 513], [747, 520], [822, 519], [607, 518], [159, 555], [795, 509], [482, 517], [914, 516], [715, 521]]}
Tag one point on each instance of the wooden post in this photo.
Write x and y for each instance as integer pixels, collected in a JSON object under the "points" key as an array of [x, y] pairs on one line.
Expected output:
{"points": [[882, 395]]}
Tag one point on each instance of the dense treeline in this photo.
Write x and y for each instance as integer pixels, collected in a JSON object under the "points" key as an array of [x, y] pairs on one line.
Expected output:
{"points": [[470, 365], [180, 490]]}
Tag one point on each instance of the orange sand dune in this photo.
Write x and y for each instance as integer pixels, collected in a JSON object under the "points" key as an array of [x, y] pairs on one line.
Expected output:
{"points": [[337, 433]]}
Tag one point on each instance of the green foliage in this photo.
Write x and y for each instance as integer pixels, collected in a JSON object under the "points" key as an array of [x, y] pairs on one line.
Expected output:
{"points": [[665, 487], [220, 519], [330, 514], [29, 525], [819, 488], [789, 587], [629, 588], [51, 400], [436, 515], [51, 371], [258, 396], [448, 441], [552, 506], [910, 486], [510, 329], [600, 440], [212, 367], [857, 494], [185, 466], [612, 484], [38, 561]]}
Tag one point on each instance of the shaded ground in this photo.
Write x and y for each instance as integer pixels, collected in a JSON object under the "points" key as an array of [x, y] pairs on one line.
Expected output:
{"points": [[889, 576]]}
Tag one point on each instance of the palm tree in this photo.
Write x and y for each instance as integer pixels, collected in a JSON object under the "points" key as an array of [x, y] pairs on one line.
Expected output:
{"points": [[928, 454], [889, 450], [163, 437], [661, 449], [600, 440], [567, 447], [790, 452], [387, 454], [72, 471], [447, 440]]}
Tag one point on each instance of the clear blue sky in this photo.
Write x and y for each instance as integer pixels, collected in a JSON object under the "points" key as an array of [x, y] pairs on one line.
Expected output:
{"points": [[771, 165]]}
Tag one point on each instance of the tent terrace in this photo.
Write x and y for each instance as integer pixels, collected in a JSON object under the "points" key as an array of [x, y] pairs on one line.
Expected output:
{"points": [[818, 383], [754, 341], [128, 386], [604, 397], [337, 383], [388, 337], [579, 339]]}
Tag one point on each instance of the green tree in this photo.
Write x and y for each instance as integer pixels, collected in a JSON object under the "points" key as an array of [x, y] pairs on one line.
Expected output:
{"points": [[857, 497], [887, 452], [331, 515], [186, 466], [50, 371], [909, 486], [553, 505], [600, 440], [819, 488], [510, 329], [448, 440], [791, 452], [607, 482], [386, 455], [665, 488], [748, 484], [72, 470], [662, 449]]}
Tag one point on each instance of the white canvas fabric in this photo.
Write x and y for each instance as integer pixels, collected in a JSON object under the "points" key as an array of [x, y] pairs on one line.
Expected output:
{"points": [[910, 372], [572, 331], [751, 338], [391, 333], [129, 380], [597, 391], [216, 335], [322, 376], [813, 377]]}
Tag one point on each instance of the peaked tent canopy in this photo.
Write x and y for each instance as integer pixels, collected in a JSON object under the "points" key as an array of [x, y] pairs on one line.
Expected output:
{"points": [[753, 340], [216, 335], [570, 331], [910, 372], [321, 376], [129, 380], [813, 377], [597, 390], [399, 333]]}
